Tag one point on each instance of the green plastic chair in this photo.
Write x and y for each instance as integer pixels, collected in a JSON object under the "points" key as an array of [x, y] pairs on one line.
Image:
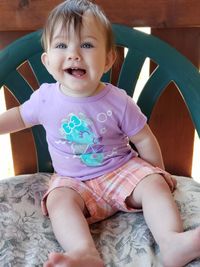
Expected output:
{"points": [[171, 66]]}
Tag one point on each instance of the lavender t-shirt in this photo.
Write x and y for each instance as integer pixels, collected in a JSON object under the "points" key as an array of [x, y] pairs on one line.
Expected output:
{"points": [[87, 137]]}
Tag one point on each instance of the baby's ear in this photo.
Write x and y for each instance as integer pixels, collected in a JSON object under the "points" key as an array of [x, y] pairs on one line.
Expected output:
{"points": [[45, 61], [110, 59]]}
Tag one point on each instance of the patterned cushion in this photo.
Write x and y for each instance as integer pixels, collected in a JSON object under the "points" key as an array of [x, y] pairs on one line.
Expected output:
{"points": [[124, 240]]}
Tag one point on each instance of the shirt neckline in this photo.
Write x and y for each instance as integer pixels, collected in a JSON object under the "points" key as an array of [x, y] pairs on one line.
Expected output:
{"points": [[93, 98]]}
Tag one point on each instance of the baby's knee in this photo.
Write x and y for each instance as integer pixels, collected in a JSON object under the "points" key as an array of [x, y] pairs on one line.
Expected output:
{"points": [[151, 184], [155, 180], [63, 196]]}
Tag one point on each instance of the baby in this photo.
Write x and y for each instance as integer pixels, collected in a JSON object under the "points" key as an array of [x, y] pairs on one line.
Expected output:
{"points": [[89, 125]]}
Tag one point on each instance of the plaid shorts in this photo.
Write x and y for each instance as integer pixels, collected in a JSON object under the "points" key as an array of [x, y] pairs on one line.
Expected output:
{"points": [[105, 195]]}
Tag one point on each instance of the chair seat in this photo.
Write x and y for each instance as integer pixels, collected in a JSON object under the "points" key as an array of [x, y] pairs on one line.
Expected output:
{"points": [[123, 240]]}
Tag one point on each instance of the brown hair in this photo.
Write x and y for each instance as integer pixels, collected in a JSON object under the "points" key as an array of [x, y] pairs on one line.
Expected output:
{"points": [[71, 11]]}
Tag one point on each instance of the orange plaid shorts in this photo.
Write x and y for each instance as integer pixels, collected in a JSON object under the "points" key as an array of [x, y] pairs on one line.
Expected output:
{"points": [[105, 195]]}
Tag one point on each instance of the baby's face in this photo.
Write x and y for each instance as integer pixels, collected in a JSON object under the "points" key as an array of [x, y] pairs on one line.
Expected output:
{"points": [[78, 59]]}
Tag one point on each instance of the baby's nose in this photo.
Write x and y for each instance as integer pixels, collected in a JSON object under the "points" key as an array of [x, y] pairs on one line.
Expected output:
{"points": [[73, 55]]}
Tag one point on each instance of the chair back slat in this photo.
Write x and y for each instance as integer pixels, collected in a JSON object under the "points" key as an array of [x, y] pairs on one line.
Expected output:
{"points": [[44, 163], [39, 70], [130, 71], [107, 77], [19, 87], [152, 90]]}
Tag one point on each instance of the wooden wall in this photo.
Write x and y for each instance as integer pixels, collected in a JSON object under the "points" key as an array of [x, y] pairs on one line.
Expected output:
{"points": [[175, 21]]}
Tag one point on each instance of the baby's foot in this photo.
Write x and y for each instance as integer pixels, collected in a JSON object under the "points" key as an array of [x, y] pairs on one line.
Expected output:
{"points": [[181, 248], [73, 260]]}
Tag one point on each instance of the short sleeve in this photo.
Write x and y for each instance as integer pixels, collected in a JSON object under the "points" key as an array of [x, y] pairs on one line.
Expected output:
{"points": [[30, 109], [133, 120]]}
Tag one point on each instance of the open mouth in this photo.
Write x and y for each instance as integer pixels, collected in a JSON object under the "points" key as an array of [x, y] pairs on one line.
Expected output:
{"points": [[76, 72]]}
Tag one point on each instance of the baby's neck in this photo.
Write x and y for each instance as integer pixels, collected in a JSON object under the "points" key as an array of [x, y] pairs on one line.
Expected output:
{"points": [[99, 88]]}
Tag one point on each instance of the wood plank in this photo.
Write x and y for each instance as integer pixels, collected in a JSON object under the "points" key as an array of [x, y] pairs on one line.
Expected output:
{"points": [[173, 126], [8, 37], [155, 14], [174, 131], [30, 15], [22, 144], [25, 14]]}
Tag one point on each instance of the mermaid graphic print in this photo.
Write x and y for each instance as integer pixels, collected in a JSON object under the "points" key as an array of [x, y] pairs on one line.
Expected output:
{"points": [[79, 132]]}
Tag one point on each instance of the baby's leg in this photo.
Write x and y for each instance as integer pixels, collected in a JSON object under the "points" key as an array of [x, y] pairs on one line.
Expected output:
{"points": [[163, 219], [65, 208]]}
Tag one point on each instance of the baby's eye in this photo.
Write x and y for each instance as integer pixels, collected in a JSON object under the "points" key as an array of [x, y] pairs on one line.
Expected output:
{"points": [[87, 45], [61, 46]]}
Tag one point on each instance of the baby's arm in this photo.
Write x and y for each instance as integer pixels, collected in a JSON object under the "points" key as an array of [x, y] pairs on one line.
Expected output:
{"points": [[149, 150], [11, 121], [148, 147]]}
